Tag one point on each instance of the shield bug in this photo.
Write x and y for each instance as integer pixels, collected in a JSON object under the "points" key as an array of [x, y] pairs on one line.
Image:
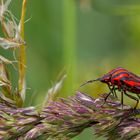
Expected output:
{"points": [[122, 80]]}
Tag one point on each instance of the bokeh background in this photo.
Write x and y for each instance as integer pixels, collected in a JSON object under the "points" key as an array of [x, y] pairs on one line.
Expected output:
{"points": [[83, 38]]}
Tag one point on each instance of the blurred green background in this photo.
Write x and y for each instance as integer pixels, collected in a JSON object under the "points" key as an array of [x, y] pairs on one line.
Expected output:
{"points": [[84, 38]]}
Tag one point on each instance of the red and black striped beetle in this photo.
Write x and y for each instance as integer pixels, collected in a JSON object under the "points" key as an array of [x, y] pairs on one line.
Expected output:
{"points": [[122, 80]]}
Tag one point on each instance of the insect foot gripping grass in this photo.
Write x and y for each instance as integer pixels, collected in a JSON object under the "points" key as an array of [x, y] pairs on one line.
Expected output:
{"points": [[122, 80]]}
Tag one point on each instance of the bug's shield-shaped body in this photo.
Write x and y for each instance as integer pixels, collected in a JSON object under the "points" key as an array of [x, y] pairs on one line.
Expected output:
{"points": [[123, 79]]}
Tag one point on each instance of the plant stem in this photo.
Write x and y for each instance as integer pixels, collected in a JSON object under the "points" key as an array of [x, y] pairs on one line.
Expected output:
{"points": [[22, 54], [69, 36]]}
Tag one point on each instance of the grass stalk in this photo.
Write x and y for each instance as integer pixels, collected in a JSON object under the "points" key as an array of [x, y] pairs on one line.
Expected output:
{"points": [[22, 54], [69, 40]]}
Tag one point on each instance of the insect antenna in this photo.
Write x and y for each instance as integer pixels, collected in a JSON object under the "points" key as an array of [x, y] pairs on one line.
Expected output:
{"points": [[90, 81]]}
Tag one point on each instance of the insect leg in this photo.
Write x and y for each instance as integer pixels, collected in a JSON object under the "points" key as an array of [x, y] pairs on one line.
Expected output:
{"points": [[112, 90], [132, 97], [106, 98], [122, 92]]}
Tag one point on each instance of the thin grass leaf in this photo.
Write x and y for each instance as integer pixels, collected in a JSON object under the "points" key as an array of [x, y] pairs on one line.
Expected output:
{"points": [[52, 93]]}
